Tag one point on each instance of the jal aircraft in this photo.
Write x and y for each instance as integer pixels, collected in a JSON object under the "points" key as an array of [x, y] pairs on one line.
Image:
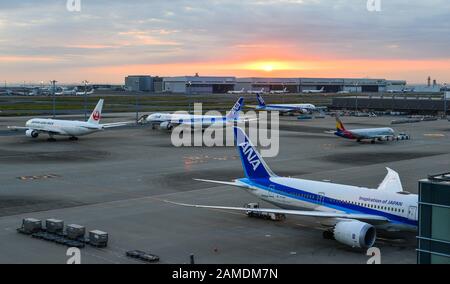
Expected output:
{"points": [[352, 215], [73, 129], [236, 92], [373, 134], [167, 121], [284, 91], [314, 91], [283, 108]]}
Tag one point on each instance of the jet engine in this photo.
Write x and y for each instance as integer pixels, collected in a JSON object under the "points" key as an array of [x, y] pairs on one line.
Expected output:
{"points": [[166, 125], [31, 133], [356, 234]]}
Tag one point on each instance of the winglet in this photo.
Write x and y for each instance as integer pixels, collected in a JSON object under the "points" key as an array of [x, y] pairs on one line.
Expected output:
{"points": [[391, 182]]}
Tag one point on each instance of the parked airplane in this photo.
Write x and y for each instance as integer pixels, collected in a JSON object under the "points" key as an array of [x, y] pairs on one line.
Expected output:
{"points": [[380, 134], [343, 92], [236, 92], [65, 91], [256, 92], [87, 93], [168, 121], [284, 91], [73, 129], [283, 108], [314, 91], [351, 214]]}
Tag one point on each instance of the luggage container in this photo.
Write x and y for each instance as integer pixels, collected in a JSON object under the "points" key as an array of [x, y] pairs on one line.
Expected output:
{"points": [[75, 232], [54, 226], [31, 225], [98, 238]]}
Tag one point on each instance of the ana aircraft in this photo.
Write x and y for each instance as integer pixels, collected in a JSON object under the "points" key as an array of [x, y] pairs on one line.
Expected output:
{"points": [[236, 92], [351, 214], [283, 108], [73, 129], [373, 134], [168, 121], [313, 91]]}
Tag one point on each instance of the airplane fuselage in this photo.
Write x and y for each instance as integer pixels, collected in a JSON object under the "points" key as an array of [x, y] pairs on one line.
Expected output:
{"points": [[187, 119], [298, 194], [287, 107], [63, 127], [369, 133]]}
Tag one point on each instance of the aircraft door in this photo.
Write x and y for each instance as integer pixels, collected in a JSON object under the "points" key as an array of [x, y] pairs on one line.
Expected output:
{"points": [[412, 213]]}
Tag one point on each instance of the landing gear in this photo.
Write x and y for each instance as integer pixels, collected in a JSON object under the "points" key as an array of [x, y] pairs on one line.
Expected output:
{"points": [[372, 142], [51, 139], [73, 138], [359, 140]]}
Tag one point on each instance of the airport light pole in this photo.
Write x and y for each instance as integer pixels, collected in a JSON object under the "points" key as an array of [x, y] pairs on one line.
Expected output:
{"points": [[137, 101], [53, 82], [85, 82]]}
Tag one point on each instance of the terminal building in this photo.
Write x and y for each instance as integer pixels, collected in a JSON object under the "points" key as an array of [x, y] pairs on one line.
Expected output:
{"points": [[434, 225], [221, 85], [139, 83]]}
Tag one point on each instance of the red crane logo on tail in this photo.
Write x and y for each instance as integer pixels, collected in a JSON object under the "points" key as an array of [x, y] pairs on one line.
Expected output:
{"points": [[96, 115]]}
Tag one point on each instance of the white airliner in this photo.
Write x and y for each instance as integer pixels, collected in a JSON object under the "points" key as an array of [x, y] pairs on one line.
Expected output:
{"points": [[256, 92], [87, 93], [168, 121], [373, 134], [351, 214], [283, 108], [284, 91], [314, 91], [66, 91], [73, 129], [236, 92]]}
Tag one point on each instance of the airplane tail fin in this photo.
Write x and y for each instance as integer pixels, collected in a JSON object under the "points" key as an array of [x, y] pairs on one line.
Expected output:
{"points": [[97, 113], [339, 125], [234, 112], [252, 162], [260, 100]]}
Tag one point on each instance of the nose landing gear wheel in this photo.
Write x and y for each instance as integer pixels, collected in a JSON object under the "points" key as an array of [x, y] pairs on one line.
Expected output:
{"points": [[73, 138]]}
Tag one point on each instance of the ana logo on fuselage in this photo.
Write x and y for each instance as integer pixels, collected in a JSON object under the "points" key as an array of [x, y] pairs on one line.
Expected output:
{"points": [[252, 157]]}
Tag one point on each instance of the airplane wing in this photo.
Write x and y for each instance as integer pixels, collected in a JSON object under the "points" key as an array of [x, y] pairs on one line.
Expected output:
{"points": [[118, 124], [317, 214], [17, 128]]}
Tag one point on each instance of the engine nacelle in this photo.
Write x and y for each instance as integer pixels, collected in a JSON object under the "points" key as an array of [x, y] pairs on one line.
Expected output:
{"points": [[31, 133], [356, 234], [166, 125]]}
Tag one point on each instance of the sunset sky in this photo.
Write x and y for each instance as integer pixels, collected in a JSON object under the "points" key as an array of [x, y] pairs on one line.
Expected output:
{"points": [[109, 39]]}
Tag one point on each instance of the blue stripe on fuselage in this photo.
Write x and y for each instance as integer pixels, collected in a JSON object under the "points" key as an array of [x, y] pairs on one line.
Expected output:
{"points": [[267, 185]]}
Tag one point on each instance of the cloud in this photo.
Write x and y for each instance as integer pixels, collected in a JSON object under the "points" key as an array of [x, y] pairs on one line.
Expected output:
{"points": [[140, 32]]}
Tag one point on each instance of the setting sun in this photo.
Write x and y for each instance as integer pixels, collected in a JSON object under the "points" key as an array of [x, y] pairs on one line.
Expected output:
{"points": [[267, 68]]}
